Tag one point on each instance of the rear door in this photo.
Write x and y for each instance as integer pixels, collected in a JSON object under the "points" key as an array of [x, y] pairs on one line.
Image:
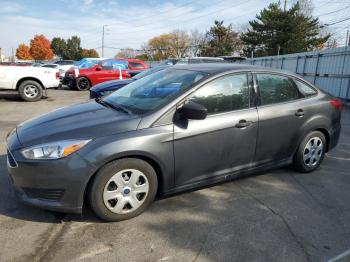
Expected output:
{"points": [[224, 141], [281, 112], [7, 76]]}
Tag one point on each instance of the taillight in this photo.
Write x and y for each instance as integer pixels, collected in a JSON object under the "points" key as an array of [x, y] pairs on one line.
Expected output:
{"points": [[57, 75], [336, 103]]}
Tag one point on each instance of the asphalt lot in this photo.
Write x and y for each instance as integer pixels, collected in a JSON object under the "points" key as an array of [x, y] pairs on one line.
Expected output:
{"points": [[279, 215]]}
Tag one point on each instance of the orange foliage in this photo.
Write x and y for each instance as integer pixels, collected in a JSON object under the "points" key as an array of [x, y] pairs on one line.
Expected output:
{"points": [[40, 48], [22, 52]]}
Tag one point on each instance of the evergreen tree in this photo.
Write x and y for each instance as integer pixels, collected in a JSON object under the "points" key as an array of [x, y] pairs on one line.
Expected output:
{"points": [[290, 31], [221, 40]]}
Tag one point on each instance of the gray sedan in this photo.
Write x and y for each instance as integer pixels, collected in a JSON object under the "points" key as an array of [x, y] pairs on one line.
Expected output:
{"points": [[178, 129]]}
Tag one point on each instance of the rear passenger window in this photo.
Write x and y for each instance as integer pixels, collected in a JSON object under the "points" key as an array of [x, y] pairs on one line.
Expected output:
{"points": [[224, 94], [305, 89], [276, 89], [137, 65]]}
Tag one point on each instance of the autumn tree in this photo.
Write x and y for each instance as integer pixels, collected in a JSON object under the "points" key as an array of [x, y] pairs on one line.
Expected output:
{"points": [[126, 53], [221, 40], [89, 53], [40, 48], [175, 44], [22, 52]]}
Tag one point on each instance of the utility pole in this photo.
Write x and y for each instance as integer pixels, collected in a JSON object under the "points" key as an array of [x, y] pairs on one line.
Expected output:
{"points": [[285, 5], [103, 40]]}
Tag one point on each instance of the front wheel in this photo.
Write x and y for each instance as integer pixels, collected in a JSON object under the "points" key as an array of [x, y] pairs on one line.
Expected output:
{"points": [[310, 153], [83, 84], [30, 91], [123, 189]]}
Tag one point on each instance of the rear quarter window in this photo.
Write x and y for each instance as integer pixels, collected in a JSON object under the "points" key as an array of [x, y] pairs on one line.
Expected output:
{"points": [[305, 89]]}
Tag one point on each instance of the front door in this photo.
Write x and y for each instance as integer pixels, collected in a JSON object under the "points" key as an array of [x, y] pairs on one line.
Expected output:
{"points": [[225, 140]]}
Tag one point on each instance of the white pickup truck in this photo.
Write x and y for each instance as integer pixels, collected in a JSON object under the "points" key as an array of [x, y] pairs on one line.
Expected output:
{"points": [[30, 82]]}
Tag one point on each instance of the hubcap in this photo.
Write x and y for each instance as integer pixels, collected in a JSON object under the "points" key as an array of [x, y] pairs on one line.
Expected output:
{"points": [[313, 151], [125, 191], [31, 91]]}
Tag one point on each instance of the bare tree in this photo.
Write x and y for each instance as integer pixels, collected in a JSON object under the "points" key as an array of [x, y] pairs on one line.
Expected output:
{"points": [[306, 6], [197, 41]]}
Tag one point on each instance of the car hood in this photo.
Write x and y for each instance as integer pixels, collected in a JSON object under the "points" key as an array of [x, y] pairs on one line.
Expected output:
{"points": [[114, 84], [85, 120]]}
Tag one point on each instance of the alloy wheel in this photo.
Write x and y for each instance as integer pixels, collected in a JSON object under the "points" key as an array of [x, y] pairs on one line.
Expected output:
{"points": [[31, 91]]}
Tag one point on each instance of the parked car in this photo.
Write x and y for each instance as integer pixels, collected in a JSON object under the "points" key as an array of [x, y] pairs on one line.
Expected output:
{"points": [[198, 60], [28, 81], [64, 66], [61, 71], [177, 129], [136, 66], [82, 78], [108, 87]]}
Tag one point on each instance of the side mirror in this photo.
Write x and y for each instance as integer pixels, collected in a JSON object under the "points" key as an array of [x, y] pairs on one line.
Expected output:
{"points": [[192, 110], [98, 68]]}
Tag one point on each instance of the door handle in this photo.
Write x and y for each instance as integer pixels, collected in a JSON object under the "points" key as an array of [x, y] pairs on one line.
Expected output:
{"points": [[243, 123], [299, 113]]}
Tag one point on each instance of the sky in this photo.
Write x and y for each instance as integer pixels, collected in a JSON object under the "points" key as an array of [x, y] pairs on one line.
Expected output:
{"points": [[131, 23]]}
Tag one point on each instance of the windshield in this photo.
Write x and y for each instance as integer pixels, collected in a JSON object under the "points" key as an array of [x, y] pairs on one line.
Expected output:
{"points": [[154, 91], [147, 72]]}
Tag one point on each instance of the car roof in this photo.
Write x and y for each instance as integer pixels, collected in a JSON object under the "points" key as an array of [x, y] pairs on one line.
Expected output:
{"points": [[217, 68]]}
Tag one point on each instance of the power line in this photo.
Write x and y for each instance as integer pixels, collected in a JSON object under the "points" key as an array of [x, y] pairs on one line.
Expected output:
{"points": [[172, 17], [336, 11], [164, 12], [185, 21], [334, 23]]}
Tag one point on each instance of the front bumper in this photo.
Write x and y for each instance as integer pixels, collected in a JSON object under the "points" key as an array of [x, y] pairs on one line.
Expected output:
{"points": [[56, 185]]}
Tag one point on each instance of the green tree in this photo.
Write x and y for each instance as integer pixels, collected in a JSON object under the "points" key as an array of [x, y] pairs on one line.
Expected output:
{"points": [[289, 31], [59, 47], [74, 50], [221, 40]]}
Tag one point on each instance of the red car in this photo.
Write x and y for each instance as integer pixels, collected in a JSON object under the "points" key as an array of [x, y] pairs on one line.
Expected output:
{"points": [[105, 70]]}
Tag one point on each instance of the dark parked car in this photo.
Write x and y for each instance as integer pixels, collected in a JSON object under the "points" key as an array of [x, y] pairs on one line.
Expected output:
{"points": [[177, 129], [108, 87]]}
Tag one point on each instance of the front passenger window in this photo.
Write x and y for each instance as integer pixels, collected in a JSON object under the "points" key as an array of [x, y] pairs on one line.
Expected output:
{"points": [[224, 94], [276, 89]]}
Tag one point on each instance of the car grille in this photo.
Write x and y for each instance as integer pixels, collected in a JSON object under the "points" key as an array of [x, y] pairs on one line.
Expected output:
{"points": [[45, 194], [11, 160]]}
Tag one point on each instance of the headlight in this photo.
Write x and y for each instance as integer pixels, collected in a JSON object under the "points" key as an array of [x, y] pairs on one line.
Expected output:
{"points": [[54, 150]]}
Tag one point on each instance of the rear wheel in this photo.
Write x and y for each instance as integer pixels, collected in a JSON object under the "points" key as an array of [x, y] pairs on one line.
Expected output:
{"points": [[123, 189], [310, 153], [83, 84], [30, 91]]}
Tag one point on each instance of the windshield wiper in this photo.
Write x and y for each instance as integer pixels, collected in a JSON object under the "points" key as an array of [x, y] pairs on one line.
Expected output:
{"points": [[114, 106]]}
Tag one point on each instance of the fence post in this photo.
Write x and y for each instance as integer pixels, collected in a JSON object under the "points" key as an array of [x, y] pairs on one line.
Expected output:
{"points": [[342, 72], [304, 65], [318, 59]]}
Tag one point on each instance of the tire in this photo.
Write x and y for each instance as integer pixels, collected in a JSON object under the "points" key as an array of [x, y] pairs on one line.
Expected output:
{"points": [[30, 91], [116, 183], [310, 153], [82, 84]]}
